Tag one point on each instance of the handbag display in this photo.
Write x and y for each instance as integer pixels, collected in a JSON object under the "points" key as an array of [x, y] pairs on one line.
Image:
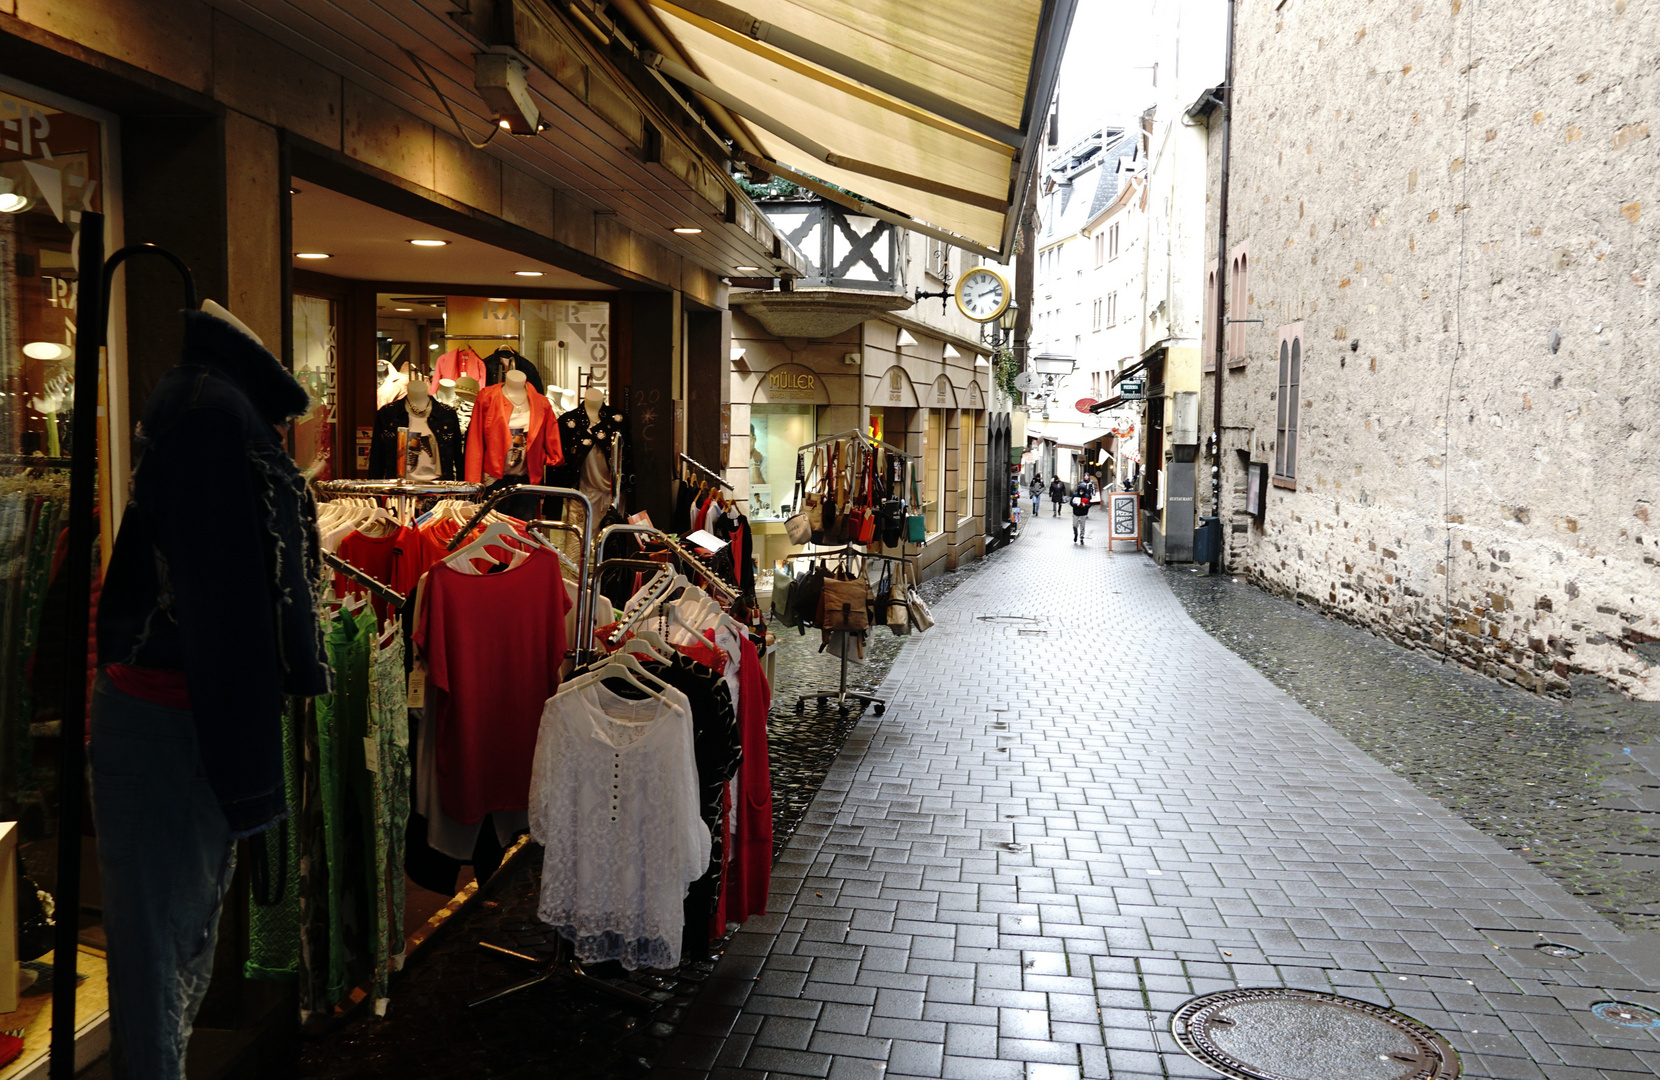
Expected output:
{"points": [[799, 526], [809, 587], [922, 618]]}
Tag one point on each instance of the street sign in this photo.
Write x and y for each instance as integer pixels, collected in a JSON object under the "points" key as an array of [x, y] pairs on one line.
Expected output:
{"points": [[1083, 404], [1133, 389], [1025, 382]]}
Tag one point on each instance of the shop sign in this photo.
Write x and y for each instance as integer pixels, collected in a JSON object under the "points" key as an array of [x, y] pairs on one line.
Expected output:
{"points": [[791, 385], [1123, 516], [1133, 389], [896, 386]]}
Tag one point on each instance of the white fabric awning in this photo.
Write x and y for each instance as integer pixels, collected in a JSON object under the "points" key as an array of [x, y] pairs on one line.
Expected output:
{"points": [[929, 109]]}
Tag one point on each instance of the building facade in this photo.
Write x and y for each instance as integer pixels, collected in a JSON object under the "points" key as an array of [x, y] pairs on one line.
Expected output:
{"points": [[1443, 425]]}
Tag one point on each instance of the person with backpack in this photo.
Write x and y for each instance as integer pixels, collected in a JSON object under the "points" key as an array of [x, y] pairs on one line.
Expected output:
{"points": [[1057, 494], [1082, 500]]}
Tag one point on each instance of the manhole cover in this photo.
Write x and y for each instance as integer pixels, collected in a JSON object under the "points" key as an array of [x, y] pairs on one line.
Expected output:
{"points": [[1278, 1034], [1566, 952], [1626, 1014]]}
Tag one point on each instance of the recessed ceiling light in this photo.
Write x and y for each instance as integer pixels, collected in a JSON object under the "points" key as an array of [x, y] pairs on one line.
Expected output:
{"points": [[528, 273], [312, 255], [748, 269], [403, 309], [429, 243], [688, 230], [47, 350], [497, 299]]}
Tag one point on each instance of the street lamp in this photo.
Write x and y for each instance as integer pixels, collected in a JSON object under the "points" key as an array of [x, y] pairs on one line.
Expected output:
{"points": [[1007, 320]]}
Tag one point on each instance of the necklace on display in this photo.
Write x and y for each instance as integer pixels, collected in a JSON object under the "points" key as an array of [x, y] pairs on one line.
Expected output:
{"points": [[420, 413]]}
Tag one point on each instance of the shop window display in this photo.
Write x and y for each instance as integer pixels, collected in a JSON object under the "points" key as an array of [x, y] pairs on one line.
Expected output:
{"points": [[933, 470], [776, 433], [965, 463], [316, 363]]}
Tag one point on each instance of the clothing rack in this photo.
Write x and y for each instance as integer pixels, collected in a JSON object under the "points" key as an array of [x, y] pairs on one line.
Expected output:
{"points": [[393, 598], [481, 337], [842, 695], [728, 591], [91, 332], [451, 488], [584, 644], [855, 433], [707, 471]]}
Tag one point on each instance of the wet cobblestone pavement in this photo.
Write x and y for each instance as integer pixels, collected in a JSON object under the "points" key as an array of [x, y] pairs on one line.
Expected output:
{"points": [[1572, 786], [555, 1029]]}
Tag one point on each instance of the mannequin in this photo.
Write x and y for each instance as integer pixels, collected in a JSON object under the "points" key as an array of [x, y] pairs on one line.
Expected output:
{"points": [[591, 403], [432, 449], [187, 717], [512, 435]]}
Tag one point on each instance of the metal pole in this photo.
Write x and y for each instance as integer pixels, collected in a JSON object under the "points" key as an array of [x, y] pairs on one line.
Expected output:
{"points": [[1221, 293], [77, 571]]}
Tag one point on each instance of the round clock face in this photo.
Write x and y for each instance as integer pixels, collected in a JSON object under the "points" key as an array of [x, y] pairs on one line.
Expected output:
{"points": [[982, 294]]}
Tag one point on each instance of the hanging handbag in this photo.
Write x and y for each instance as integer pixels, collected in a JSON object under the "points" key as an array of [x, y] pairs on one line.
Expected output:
{"points": [[830, 530], [783, 598], [883, 596], [799, 526], [922, 619], [898, 616], [844, 603], [809, 587], [916, 525]]}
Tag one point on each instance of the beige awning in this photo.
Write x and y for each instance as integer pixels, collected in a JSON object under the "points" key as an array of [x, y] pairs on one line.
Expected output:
{"points": [[923, 107]]}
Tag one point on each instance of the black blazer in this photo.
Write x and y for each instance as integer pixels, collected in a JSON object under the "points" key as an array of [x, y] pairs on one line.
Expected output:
{"points": [[445, 425]]}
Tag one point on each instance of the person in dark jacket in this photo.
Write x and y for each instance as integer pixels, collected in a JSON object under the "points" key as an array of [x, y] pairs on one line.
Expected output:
{"points": [[1037, 493], [1082, 500], [1057, 494], [206, 620]]}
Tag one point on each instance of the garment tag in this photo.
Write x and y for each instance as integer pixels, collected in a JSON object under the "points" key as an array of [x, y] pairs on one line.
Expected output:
{"points": [[371, 754], [418, 687], [706, 540]]}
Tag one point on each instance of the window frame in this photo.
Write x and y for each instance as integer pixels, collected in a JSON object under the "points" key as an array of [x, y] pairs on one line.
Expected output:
{"points": [[966, 426], [1112, 241], [1288, 405], [1239, 274]]}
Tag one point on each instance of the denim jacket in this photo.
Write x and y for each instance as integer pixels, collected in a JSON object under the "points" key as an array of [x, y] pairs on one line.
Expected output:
{"points": [[216, 566]]}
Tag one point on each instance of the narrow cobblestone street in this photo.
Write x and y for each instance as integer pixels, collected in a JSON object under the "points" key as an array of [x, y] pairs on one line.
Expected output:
{"points": [[1023, 868]]}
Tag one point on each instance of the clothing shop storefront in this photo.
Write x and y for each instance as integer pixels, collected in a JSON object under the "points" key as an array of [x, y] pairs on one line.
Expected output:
{"points": [[333, 679]]}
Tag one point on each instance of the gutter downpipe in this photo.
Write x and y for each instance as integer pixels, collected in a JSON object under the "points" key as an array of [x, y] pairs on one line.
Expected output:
{"points": [[1222, 312]]}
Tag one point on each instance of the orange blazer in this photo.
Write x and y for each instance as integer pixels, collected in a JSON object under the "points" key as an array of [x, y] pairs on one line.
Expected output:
{"points": [[487, 436]]}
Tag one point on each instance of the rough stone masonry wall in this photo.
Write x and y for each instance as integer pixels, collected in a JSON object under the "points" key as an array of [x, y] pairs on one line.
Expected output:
{"points": [[1458, 198]]}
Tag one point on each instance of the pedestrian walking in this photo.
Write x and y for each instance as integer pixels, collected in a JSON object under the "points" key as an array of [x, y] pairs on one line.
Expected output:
{"points": [[1057, 494], [1082, 500], [1037, 492]]}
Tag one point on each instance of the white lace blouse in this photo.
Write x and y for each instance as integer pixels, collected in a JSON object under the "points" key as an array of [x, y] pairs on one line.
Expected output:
{"points": [[614, 801]]}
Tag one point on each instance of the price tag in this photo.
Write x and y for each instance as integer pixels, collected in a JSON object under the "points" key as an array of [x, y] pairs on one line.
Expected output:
{"points": [[418, 687], [371, 754]]}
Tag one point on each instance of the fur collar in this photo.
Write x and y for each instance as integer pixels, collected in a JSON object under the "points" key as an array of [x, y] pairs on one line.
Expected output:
{"points": [[214, 343]]}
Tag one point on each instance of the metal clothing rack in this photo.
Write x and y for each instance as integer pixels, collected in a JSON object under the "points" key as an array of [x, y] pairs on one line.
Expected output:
{"points": [[584, 645], [707, 471], [673, 545], [480, 337], [396, 600], [842, 695], [855, 433]]}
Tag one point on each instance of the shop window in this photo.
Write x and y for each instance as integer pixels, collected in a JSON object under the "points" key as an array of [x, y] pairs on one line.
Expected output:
{"points": [[1288, 420], [933, 468], [965, 463], [776, 433], [316, 366]]}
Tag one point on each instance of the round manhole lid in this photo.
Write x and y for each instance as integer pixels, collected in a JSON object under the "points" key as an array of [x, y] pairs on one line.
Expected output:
{"points": [[1279, 1034], [1626, 1014], [1565, 952]]}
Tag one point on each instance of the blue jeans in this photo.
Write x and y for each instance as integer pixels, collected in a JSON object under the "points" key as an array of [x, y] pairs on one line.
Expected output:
{"points": [[166, 856]]}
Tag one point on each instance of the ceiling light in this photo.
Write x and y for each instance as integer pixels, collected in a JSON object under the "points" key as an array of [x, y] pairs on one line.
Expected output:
{"points": [[312, 255], [505, 125], [12, 203], [47, 350], [688, 230], [403, 309], [429, 243], [497, 299], [748, 269], [528, 273]]}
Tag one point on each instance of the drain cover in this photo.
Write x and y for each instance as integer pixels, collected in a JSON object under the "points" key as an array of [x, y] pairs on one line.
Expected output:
{"points": [[1278, 1034], [1008, 618], [1566, 952], [1626, 1014]]}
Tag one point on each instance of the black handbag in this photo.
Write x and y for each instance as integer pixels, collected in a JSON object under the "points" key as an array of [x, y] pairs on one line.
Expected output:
{"points": [[891, 523], [809, 588]]}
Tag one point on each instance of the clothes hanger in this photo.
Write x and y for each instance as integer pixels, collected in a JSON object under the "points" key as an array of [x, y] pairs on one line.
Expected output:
{"points": [[623, 666]]}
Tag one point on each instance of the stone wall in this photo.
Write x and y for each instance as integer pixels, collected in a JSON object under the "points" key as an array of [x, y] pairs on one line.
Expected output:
{"points": [[1450, 196]]}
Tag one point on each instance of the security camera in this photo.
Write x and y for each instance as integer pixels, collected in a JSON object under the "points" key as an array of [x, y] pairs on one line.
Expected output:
{"points": [[502, 82]]}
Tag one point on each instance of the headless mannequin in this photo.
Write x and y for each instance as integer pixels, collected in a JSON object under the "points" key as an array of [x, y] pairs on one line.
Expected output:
{"points": [[513, 389], [591, 401], [419, 397]]}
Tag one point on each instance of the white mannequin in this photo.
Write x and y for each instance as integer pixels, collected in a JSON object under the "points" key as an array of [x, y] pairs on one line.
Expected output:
{"points": [[591, 401], [513, 389], [446, 391]]}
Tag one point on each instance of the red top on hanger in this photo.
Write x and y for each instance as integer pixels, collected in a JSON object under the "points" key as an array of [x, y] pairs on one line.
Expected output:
{"points": [[455, 364]]}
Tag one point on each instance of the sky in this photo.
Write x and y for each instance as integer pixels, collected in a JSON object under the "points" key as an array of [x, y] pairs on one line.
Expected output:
{"points": [[1100, 80]]}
